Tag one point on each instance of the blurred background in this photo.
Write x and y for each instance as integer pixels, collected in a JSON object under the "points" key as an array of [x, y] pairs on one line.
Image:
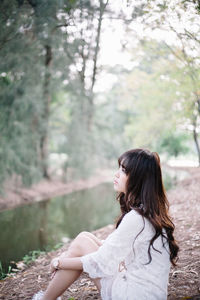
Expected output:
{"points": [[83, 81]]}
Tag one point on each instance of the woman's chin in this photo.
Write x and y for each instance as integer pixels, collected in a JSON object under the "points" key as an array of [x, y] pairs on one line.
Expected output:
{"points": [[116, 188]]}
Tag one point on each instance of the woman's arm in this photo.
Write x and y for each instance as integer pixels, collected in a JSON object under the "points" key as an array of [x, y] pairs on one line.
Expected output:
{"points": [[62, 263]]}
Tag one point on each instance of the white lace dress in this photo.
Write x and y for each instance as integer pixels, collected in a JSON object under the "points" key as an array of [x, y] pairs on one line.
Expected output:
{"points": [[121, 262]]}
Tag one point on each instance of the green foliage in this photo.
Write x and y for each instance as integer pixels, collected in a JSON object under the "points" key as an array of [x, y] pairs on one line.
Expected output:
{"points": [[174, 144], [50, 66], [20, 108], [55, 247], [30, 79], [27, 31], [3, 273], [150, 94], [32, 256]]}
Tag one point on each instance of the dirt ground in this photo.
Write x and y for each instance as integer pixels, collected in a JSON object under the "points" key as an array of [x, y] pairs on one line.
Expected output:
{"points": [[184, 280]]}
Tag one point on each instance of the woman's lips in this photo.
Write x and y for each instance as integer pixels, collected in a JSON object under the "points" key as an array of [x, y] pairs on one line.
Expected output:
{"points": [[115, 182]]}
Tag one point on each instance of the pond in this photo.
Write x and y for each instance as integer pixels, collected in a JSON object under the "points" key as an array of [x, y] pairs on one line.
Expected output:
{"points": [[47, 223]]}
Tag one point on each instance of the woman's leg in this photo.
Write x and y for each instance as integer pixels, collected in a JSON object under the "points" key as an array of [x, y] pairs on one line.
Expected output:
{"points": [[92, 236], [83, 244]]}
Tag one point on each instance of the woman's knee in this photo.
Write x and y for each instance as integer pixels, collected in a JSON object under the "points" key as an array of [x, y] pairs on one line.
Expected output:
{"points": [[78, 243], [81, 238], [91, 236], [84, 234], [82, 244]]}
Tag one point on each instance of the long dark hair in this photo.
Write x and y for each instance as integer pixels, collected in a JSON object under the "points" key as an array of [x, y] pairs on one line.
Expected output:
{"points": [[145, 193]]}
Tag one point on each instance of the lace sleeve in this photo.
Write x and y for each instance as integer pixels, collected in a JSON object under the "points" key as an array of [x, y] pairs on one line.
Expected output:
{"points": [[116, 247]]}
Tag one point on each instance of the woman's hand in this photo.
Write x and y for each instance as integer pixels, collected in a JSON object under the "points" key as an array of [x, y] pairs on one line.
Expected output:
{"points": [[65, 263], [54, 266]]}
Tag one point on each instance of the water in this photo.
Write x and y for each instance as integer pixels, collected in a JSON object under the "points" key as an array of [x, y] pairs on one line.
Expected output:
{"points": [[35, 226]]}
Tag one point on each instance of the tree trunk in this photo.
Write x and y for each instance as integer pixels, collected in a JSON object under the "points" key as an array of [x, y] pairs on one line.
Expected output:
{"points": [[195, 136], [94, 73], [45, 114]]}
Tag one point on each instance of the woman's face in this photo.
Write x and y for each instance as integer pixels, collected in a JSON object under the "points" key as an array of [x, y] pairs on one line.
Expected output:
{"points": [[120, 180]]}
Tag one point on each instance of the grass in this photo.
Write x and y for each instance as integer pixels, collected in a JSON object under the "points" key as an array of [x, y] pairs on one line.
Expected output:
{"points": [[4, 274], [30, 257], [33, 255]]}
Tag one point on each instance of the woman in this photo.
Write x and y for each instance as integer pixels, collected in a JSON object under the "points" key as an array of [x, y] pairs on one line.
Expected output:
{"points": [[134, 261]]}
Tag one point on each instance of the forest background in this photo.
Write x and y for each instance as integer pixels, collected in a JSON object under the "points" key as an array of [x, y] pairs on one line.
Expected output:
{"points": [[82, 81]]}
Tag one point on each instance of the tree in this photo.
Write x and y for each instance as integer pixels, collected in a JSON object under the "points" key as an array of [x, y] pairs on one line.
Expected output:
{"points": [[82, 46], [27, 43], [49, 38], [17, 129], [177, 24], [150, 93]]}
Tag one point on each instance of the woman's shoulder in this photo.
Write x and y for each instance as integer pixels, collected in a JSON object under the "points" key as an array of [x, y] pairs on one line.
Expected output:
{"points": [[133, 216], [134, 213]]}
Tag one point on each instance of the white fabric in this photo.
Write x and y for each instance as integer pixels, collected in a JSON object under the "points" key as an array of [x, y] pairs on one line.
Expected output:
{"points": [[121, 262]]}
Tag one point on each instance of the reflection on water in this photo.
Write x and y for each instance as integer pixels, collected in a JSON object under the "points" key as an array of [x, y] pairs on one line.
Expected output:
{"points": [[45, 223]]}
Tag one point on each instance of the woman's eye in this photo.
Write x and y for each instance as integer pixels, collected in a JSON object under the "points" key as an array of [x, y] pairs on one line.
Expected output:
{"points": [[124, 170]]}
